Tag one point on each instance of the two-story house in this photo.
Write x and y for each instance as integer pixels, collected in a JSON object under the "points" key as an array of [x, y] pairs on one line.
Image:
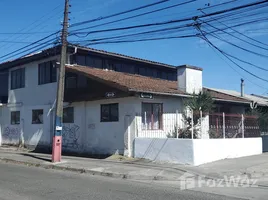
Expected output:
{"points": [[109, 99]]}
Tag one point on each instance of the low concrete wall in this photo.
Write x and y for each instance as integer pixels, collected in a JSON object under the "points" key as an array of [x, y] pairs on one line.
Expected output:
{"points": [[195, 152], [265, 143], [209, 150], [167, 150]]}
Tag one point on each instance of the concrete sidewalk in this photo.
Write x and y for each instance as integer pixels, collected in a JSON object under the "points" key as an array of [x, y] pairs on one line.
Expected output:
{"points": [[164, 174], [136, 169], [255, 167]]}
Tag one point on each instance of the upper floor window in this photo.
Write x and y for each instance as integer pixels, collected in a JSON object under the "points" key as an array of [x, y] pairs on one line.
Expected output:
{"points": [[18, 78], [47, 72], [70, 80]]}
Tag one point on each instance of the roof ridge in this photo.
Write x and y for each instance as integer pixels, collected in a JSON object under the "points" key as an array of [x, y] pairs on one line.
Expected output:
{"points": [[127, 56]]}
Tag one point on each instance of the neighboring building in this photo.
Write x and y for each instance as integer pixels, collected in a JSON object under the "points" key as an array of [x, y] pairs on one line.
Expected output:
{"points": [[106, 105]]}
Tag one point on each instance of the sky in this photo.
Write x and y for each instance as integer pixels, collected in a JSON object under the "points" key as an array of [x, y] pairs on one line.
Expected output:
{"points": [[44, 17]]}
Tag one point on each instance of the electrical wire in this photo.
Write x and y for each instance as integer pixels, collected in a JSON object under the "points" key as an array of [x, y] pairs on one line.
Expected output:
{"points": [[33, 43], [220, 4], [181, 27], [239, 32], [236, 37], [120, 13], [142, 40], [210, 43], [242, 48], [27, 28], [166, 22], [142, 14]]}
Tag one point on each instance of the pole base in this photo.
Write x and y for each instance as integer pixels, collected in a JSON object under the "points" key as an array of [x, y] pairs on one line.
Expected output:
{"points": [[56, 149]]}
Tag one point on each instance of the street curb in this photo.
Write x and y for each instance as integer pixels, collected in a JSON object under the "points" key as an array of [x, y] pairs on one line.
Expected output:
{"points": [[82, 170]]}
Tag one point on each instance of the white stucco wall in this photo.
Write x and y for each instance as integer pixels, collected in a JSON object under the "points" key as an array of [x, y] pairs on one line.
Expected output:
{"points": [[195, 152], [209, 150], [165, 150], [32, 135], [89, 135], [189, 80], [32, 94]]}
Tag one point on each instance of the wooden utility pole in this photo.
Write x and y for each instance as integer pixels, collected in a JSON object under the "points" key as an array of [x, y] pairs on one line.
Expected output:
{"points": [[57, 139]]}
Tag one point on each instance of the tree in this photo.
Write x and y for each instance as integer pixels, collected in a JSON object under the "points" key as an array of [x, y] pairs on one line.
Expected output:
{"points": [[199, 102]]}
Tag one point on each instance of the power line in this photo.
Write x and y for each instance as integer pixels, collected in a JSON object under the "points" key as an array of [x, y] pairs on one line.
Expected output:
{"points": [[142, 40], [145, 33], [168, 22], [33, 43], [220, 4], [120, 13], [210, 43], [218, 53], [239, 32], [27, 28], [15, 42], [242, 48], [133, 27], [235, 36], [47, 43], [142, 14], [241, 60], [24, 33]]}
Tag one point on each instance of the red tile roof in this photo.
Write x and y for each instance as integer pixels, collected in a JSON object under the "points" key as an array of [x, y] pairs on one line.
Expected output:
{"points": [[128, 82], [138, 83], [222, 96]]}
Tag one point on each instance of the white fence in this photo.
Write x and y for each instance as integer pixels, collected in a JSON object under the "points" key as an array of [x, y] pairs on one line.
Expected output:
{"points": [[197, 125]]}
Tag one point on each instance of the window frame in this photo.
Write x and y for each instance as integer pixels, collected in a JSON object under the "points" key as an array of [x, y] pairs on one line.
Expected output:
{"points": [[72, 118], [35, 110], [110, 106], [11, 116], [15, 75], [160, 125], [70, 76], [50, 77]]}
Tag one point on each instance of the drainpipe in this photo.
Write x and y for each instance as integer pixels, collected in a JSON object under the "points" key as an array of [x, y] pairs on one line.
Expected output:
{"points": [[242, 88], [69, 57], [1, 123]]}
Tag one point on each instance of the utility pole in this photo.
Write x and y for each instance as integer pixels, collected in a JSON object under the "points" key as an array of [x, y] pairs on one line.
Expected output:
{"points": [[57, 139]]}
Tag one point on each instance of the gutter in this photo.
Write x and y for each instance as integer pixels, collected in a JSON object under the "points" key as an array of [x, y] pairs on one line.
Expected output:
{"points": [[162, 93], [185, 95], [231, 101]]}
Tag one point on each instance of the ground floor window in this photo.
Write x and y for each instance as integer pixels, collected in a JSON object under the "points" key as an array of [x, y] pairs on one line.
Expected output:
{"points": [[37, 116], [152, 116], [15, 117], [68, 115], [109, 112]]}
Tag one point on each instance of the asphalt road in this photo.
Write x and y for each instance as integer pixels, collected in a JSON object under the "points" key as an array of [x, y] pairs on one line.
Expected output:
{"points": [[22, 182]]}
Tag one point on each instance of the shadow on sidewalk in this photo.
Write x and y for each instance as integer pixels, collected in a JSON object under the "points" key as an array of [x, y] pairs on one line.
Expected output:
{"points": [[37, 157], [69, 153]]}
